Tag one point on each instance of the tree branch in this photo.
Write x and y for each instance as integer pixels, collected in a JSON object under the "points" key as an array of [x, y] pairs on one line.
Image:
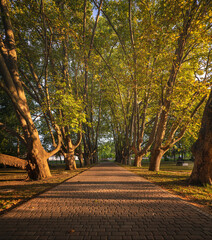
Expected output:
{"points": [[120, 40], [94, 29], [13, 132], [13, 161]]}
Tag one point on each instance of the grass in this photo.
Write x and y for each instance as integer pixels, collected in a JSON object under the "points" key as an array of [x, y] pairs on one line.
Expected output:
{"points": [[14, 188], [175, 179]]}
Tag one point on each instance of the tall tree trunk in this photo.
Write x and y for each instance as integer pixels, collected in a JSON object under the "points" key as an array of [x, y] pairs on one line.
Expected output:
{"points": [[37, 156], [156, 156], [202, 149], [157, 152]]}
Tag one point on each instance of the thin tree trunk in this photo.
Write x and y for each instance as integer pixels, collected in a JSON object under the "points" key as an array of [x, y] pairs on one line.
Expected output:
{"points": [[18, 148], [95, 157], [80, 156]]}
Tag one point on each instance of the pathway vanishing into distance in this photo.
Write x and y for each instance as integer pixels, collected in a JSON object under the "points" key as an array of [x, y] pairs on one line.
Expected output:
{"points": [[106, 202]]}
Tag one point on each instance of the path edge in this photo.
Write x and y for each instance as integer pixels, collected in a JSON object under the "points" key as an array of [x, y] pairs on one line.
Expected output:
{"points": [[41, 192], [187, 202]]}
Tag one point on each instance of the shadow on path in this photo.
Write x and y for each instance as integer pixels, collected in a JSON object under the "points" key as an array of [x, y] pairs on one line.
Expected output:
{"points": [[106, 202]]}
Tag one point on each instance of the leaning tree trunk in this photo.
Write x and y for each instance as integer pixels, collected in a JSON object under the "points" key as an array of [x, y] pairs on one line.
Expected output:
{"points": [[7, 160], [156, 156], [202, 149], [36, 163], [37, 166]]}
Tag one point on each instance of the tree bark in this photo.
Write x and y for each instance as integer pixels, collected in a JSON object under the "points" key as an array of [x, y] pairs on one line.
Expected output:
{"points": [[70, 161], [156, 156], [124, 159], [69, 152], [13, 161], [138, 159], [80, 156], [202, 149], [87, 158], [95, 157], [38, 167]]}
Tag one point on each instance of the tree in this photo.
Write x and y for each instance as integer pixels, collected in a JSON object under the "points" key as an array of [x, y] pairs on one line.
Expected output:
{"points": [[202, 149], [56, 54], [71, 107], [11, 83], [91, 130], [194, 17]]}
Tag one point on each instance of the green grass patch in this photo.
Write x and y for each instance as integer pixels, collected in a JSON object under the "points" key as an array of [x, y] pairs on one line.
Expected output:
{"points": [[175, 179], [14, 188]]}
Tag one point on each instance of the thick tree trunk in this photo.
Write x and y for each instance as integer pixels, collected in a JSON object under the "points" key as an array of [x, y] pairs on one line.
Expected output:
{"points": [[36, 163], [137, 162], [156, 156], [202, 149], [37, 167], [70, 161], [37, 156]]}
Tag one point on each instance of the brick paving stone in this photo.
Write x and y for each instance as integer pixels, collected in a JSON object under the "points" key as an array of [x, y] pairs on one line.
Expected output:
{"points": [[106, 202]]}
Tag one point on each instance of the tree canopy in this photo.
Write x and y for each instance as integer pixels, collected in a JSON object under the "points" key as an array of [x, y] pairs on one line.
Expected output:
{"points": [[74, 73]]}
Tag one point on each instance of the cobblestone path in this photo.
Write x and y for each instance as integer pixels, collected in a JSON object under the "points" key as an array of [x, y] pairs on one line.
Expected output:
{"points": [[106, 202]]}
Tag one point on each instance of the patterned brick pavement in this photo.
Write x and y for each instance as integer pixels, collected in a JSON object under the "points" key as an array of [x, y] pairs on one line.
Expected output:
{"points": [[106, 202]]}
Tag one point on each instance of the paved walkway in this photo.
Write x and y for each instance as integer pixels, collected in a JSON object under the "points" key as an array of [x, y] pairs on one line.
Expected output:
{"points": [[106, 202]]}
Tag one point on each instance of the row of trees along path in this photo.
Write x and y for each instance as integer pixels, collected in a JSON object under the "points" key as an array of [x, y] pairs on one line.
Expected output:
{"points": [[75, 71]]}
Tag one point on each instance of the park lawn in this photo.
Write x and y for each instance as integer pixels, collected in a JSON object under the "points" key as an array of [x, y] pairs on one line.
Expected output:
{"points": [[175, 179], [15, 188]]}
